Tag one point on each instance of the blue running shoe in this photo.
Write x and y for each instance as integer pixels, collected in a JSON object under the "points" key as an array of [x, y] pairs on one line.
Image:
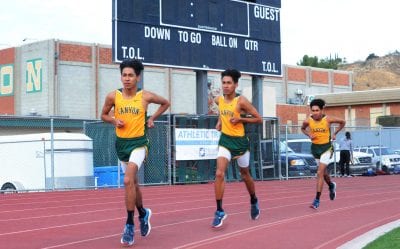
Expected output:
{"points": [[219, 217], [145, 226], [128, 235], [315, 204], [255, 211], [332, 191]]}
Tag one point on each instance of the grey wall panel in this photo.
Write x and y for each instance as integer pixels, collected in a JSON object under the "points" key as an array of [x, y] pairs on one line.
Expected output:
{"points": [[77, 88], [183, 92], [39, 99], [109, 80]]}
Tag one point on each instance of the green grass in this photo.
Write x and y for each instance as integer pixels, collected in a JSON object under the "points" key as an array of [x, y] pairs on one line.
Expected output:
{"points": [[386, 241]]}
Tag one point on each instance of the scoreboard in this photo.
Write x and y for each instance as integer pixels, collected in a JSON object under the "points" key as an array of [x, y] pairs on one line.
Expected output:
{"points": [[199, 34]]}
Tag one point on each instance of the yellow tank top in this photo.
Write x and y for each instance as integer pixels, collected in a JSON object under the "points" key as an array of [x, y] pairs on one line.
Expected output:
{"points": [[227, 111], [131, 111], [321, 130]]}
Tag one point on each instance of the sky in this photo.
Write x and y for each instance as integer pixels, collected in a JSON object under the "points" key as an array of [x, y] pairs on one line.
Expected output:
{"points": [[350, 29]]}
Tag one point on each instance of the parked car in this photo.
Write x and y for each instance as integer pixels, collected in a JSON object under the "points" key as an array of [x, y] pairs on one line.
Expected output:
{"points": [[390, 161], [298, 164], [360, 164]]}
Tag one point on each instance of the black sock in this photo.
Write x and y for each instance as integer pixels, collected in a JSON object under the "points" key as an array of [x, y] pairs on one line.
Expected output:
{"points": [[318, 195], [253, 199], [142, 211], [219, 205], [129, 220]]}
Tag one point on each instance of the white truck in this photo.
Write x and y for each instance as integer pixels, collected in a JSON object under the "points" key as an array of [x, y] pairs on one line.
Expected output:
{"points": [[32, 162], [390, 160]]}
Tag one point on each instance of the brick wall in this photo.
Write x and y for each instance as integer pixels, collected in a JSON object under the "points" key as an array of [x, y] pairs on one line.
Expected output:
{"points": [[336, 111], [341, 79], [290, 113], [105, 56], [287, 113], [78, 53], [7, 105], [296, 74], [7, 56], [394, 109], [319, 77]]}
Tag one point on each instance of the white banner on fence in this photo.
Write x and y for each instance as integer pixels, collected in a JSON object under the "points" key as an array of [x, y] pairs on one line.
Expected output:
{"points": [[196, 144]]}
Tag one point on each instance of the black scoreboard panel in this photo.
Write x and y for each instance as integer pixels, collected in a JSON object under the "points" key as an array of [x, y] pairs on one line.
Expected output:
{"points": [[222, 16], [199, 34]]}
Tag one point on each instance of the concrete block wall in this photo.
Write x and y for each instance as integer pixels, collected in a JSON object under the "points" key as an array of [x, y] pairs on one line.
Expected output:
{"points": [[34, 81], [77, 77]]}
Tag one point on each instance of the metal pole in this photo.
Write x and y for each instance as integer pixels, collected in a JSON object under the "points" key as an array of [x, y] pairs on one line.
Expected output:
{"points": [[119, 174], [380, 147], [286, 148], [334, 153], [173, 180], [169, 149], [201, 92], [52, 153], [257, 89], [44, 161]]}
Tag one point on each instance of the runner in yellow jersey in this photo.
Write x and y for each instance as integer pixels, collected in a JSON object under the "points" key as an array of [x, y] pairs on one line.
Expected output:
{"points": [[318, 128], [130, 109], [233, 143]]}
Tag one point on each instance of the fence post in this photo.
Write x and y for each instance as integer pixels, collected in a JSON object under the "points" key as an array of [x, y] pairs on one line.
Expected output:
{"points": [[44, 162], [334, 154], [52, 153], [286, 153], [118, 173], [380, 147], [169, 149]]}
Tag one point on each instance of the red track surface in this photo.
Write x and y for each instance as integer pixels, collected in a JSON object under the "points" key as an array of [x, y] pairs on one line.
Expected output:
{"points": [[182, 216]]}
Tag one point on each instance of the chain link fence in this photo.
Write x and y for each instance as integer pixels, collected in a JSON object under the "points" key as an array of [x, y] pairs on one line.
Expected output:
{"points": [[374, 148], [156, 168], [192, 171], [44, 154], [52, 153], [203, 170]]}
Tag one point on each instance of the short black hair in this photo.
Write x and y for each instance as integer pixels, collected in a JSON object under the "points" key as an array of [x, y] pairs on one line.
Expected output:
{"points": [[135, 64], [318, 102], [235, 74]]}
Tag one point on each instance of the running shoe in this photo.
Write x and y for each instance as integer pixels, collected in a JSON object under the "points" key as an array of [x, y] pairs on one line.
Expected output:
{"points": [[315, 204], [332, 191], [128, 235], [255, 211], [145, 226], [218, 219]]}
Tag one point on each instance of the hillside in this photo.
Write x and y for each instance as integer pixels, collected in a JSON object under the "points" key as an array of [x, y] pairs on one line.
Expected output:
{"points": [[377, 73]]}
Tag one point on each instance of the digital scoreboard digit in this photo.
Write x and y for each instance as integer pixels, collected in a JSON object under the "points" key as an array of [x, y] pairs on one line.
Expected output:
{"points": [[199, 34]]}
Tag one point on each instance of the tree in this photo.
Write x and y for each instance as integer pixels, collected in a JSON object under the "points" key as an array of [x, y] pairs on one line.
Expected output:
{"points": [[371, 56], [328, 62]]}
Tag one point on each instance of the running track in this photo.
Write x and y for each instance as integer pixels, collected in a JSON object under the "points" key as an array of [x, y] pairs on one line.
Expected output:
{"points": [[182, 216]]}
